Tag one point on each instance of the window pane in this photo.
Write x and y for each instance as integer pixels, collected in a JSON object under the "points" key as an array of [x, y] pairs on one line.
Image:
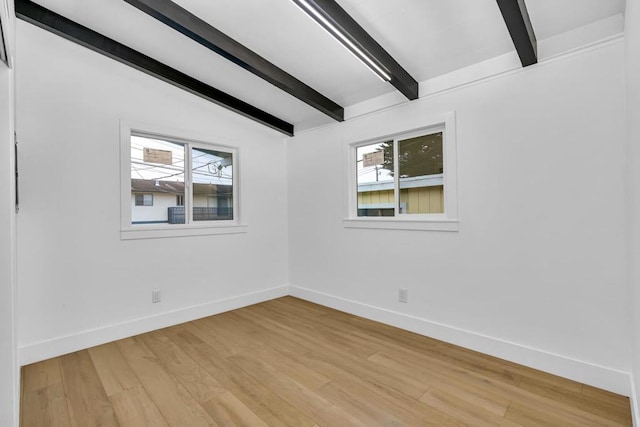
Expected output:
{"points": [[157, 179], [212, 185], [375, 179], [421, 174]]}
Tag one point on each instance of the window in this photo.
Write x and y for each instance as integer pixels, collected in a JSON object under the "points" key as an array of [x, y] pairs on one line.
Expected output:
{"points": [[419, 163], [144, 199], [177, 184], [405, 181]]}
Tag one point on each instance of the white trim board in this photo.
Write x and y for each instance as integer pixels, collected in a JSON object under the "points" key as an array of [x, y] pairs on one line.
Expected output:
{"points": [[58, 346], [635, 409], [588, 373]]}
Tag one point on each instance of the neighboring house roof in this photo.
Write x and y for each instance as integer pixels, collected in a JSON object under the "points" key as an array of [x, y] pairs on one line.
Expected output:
{"points": [[153, 186], [176, 187], [413, 182]]}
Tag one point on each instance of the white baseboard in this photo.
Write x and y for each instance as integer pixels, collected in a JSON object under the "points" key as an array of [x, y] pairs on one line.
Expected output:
{"points": [[58, 346], [588, 373]]}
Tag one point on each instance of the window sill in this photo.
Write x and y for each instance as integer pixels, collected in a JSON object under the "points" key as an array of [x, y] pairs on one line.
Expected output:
{"points": [[158, 232], [402, 224]]}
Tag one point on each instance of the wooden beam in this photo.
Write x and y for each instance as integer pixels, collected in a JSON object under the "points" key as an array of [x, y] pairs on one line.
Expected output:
{"points": [[340, 19], [200, 31], [519, 25], [70, 30], [4, 56]]}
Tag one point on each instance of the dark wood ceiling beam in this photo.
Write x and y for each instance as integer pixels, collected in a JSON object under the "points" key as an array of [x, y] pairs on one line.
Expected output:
{"points": [[400, 78], [70, 30], [200, 31], [4, 56], [519, 25]]}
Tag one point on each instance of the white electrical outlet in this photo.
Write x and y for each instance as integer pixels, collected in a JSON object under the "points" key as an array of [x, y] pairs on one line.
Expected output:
{"points": [[403, 295], [155, 296]]}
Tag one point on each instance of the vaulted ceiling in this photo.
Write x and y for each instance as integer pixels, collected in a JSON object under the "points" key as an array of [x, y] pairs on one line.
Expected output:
{"points": [[428, 38]]}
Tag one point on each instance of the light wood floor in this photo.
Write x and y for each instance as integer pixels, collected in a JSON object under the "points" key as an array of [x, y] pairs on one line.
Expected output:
{"points": [[288, 362]]}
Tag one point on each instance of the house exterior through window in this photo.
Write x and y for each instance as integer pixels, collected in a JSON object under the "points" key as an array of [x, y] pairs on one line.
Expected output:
{"points": [[405, 181], [419, 164], [179, 182]]}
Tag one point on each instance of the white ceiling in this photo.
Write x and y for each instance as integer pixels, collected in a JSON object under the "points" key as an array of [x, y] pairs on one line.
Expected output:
{"points": [[427, 37]]}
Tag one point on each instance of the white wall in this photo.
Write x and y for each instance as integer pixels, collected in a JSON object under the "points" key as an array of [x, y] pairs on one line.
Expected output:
{"points": [[632, 63], [9, 369], [79, 284], [536, 273]]}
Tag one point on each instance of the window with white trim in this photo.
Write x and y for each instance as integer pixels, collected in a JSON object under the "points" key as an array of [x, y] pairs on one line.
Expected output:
{"points": [[408, 178], [143, 199], [177, 184]]}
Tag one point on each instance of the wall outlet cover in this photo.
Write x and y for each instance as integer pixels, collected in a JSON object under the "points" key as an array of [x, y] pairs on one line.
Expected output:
{"points": [[403, 295], [156, 296]]}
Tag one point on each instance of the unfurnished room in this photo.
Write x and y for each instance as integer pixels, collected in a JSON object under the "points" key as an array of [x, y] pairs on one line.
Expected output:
{"points": [[319, 213]]}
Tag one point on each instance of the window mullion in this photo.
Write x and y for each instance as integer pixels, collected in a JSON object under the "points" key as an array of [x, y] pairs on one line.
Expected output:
{"points": [[234, 188], [396, 179], [188, 202]]}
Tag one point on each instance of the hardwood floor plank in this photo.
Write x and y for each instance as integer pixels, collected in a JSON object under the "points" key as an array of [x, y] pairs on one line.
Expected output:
{"points": [[270, 407], [200, 384], [321, 336], [462, 360], [519, 370], [286, 332], [47, 406], [404, 383], [410, 410], [506, 391], [87, 400], [224, 333], [41, 374], [464, 411], [265, 336], [531, 416], [610, 411], [113, 370], [310, 403], [466, 358], [605, 396], [296, 371], [228, 410], [298, 308], [312, 306], [134, 408], [408, 385], [175, 403], [364, 409], [392, 333], [472, 395]]}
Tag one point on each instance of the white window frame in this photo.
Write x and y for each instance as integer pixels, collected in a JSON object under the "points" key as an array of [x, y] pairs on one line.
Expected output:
{"points": [[447, 221], [151, 231]]}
